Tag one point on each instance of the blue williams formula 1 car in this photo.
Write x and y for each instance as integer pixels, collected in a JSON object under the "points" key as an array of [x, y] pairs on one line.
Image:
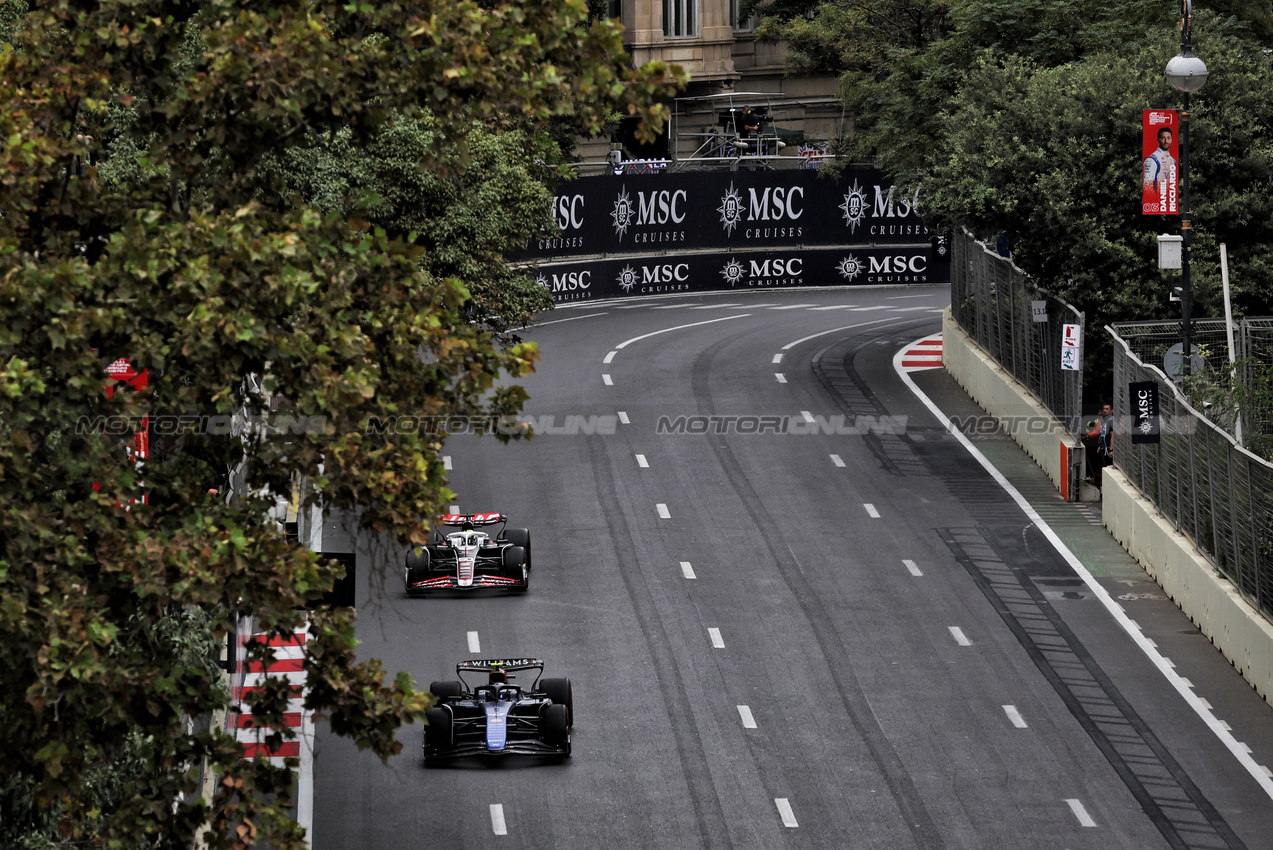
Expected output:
{"points": [[499, 718], [467, 558]]}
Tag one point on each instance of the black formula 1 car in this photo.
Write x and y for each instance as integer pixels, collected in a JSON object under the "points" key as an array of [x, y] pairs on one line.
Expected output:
{"points": [[498, 717], [467, 558]]}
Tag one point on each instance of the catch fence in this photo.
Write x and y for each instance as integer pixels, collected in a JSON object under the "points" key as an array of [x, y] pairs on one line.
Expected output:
{"points": [[994, 302], [1211, 489]]}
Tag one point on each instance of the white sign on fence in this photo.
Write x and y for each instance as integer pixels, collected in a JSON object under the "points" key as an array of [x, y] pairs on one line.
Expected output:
{"points": [[1039, 311], [1070, 348]]}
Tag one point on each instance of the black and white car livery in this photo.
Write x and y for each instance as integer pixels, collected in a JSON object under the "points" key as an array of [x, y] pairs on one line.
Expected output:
{"points": [[467, 558], [498, 717]]}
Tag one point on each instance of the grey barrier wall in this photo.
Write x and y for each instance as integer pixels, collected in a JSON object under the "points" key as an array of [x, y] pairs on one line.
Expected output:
{"points": [[1208, 487], [654, 234], [992, 300]]}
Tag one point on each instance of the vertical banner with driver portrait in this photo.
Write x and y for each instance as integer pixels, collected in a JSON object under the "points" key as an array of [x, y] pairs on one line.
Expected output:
{"points": [[1160, 148]]}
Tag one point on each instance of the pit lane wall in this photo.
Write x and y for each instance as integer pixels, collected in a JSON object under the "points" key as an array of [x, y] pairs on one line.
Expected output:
{"points": [[1212, 602], [1188, 579], [659, 234], [1029, 423]]}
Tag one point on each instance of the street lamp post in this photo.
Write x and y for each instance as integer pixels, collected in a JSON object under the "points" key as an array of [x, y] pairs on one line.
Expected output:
{"points": [[1185, 73]]}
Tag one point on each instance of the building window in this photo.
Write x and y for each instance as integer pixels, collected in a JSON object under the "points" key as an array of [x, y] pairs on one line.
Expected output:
{"points": [[680, 18], [614, 9], [740, 26]]}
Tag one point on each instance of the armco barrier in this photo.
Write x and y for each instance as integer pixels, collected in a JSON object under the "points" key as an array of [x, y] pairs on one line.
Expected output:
{"points": [[1206, 597], [1011, 403]]}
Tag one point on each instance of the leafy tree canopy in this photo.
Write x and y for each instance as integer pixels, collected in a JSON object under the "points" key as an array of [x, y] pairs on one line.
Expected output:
{"points": [[149, 209]]}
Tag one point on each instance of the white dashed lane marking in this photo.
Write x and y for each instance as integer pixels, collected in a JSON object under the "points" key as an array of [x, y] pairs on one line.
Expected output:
{"points": [[782, 379], [717, 641], [744, 712], [663, 511], [446, 461], [778, 357], [454, 509], [1081, 813], [785, 812], [792, 306], [475, 646], [808, 417], [1015, 716], [958, 634], [497, 819], [871, 511], [837, 460], [687, 570], [642, 462], [910, 565], [607, 380], [623, 417]]}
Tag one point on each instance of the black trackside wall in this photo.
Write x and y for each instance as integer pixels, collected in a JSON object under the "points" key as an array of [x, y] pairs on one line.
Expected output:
{"points": [[713, 231]]}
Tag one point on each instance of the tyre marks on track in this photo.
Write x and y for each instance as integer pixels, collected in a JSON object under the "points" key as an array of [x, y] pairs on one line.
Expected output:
{"points": [[1175, 805], [913, 814], [712, 828]]}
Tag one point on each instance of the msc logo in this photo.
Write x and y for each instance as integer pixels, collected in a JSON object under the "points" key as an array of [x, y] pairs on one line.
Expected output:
{"points": [[567, 211], [884, 204], [566, 281], [774, 203], [898, 264], [658, 207], [777, 268]]}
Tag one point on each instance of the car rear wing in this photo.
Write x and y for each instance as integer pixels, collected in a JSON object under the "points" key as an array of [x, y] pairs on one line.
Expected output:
{"points": [[508, 665], [477, 520]]}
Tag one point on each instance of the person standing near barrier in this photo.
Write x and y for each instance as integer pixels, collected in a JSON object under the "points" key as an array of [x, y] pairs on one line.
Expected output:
{"points": [[1103, 435]]}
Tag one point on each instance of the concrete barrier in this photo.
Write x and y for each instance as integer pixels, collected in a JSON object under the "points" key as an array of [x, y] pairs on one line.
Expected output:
{"points": [[1190, 580], [1020, 414]]}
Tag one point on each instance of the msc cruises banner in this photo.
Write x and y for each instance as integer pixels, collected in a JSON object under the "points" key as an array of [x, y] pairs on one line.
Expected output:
{"points": [[640, 214], [584, 280]]}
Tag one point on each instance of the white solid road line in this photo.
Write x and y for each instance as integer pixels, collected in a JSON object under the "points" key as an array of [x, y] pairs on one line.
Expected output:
{"points": [[744, 712], [607, 380], [793, 344], [497, 819], [642, 462], [1015, 716], [910, 565], [782, 379], [837, 460], [628, 342], [687, 569], [1081, 813], [717, 641], [663, 512], [958, 634], [571, 319], [475, 646], [785, 812], [609, 357], [623, 417], [1194, 701], [871, 511], [446, 461]]}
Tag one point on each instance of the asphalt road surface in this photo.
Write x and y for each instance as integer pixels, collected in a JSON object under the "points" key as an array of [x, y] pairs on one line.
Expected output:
{"points": [[781, 632]]}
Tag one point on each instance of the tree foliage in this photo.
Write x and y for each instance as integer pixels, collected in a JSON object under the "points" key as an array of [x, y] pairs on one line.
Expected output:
{"points": [[146, 212]]}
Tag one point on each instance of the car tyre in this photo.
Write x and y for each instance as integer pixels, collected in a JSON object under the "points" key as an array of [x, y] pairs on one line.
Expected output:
{"points": [[560, 692], [446, 690], [417, 567], [437, 732], [520, 537], [554, 727]]}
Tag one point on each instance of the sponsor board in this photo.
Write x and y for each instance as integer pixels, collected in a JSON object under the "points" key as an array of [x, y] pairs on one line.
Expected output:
{"points": [[584, 280], [737, 210]]}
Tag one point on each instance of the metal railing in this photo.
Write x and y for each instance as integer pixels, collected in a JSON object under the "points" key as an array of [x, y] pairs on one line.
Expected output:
{"points": [[992, 300], [1211, 489]]}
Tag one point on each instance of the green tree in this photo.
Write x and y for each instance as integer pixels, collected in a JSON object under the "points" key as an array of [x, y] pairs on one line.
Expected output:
{"points": [[141, 216]]}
